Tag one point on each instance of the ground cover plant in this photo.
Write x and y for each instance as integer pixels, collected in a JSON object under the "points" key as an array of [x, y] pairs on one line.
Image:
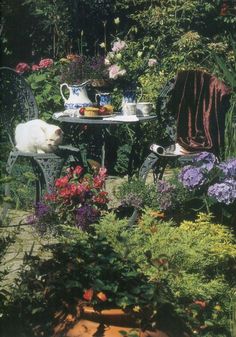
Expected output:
{"points": [[153, 268]]}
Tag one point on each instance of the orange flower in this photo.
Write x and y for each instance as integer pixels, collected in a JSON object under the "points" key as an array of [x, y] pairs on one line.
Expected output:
{"points": [[102, 297], [88, 294], [202, 304]]}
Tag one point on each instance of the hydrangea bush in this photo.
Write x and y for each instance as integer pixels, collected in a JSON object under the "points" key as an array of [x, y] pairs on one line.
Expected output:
{"points": [[205, 184], [78, 200]]}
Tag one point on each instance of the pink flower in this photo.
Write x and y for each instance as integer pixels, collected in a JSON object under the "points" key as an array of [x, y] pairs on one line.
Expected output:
{"points": [[22, 67], [115, 71], [118, 45], [35, 67], [102, 172], [78, 170], [152, 62], [45, 63], [61, 182]]}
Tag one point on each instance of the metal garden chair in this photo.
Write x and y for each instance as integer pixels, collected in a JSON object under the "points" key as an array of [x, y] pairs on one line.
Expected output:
{"points": [[18, 105], [194, 105]]}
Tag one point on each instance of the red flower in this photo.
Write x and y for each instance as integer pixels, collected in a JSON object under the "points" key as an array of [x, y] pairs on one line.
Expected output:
{"points": [[98, 182], [78, 170], [202, 304], [88, 294], [22, 67], [50, 197], [61, 182], [101, 198], [45, 63], [102, 297], [35, 67]]}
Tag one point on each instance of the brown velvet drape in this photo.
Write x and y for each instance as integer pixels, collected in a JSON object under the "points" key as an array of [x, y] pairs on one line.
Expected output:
{"points": [[200, 102]]}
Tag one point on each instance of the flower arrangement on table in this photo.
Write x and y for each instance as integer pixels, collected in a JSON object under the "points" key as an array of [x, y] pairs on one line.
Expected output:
{"points": [[77, 69], [78, 200], [128, 60], [205, 184]]}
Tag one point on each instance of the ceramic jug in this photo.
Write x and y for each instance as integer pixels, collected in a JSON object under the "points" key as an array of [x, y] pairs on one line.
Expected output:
{"points": [[78, 96]]}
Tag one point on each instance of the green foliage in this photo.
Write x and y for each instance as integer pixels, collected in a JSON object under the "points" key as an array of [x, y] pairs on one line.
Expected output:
{"points": [[227, 70], [136, 193], [192, 262], [45, 84]]}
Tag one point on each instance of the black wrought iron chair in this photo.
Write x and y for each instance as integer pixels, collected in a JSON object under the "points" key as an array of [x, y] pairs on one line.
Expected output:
{"points": [[18, 105], [193, 105]]}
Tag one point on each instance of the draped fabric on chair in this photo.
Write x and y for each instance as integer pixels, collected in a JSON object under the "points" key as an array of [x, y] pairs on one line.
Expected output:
{"points": [[199, 101]]}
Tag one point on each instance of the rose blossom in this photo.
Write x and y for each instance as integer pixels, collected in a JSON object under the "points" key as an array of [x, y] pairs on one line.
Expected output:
{"points": [[152, 62], [35, 67], [115, 71], [22, 67], [118, 45], [45, 63]]}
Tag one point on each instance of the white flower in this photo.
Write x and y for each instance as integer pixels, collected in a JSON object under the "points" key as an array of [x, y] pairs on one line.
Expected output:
{"points": [[102, 45], [115, 71], [107, 61], [140, 53], [152, 62], [117, 21], [118, 56]]}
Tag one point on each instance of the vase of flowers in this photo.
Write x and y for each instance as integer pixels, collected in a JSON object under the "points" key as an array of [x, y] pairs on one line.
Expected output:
{"points": [[78, 75], [126, 62]]}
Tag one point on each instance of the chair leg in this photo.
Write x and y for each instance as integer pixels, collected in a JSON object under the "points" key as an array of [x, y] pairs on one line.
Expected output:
{"points": [[155, 164], [47, 169], [12, 158]]}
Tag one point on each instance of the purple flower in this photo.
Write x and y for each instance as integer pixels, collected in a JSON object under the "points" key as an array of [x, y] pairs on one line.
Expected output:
{"points": [[133, 200], [207, 160], [229, 168], [85, 216], [192, 177], [41, 210], [165, 194], [224, 192]]}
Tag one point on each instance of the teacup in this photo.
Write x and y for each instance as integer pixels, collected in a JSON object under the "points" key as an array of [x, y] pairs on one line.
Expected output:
{"points": [[144, 108], [129, 108], [103, 98]]}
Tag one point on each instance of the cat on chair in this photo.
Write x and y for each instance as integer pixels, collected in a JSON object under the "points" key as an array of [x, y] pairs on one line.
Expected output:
{"points": [[37, 136]]}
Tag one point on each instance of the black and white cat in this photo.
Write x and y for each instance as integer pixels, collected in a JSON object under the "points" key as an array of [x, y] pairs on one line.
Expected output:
{"points": [[38, 136]]}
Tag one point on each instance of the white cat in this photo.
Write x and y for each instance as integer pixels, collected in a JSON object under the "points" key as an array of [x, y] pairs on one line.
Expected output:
{"points": [[37, 136]]}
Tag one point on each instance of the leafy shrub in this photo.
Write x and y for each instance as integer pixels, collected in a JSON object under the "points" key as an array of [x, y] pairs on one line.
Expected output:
{"points": [[192, 265]]}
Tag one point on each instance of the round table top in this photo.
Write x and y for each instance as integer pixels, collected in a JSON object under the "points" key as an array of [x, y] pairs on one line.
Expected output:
{"points": [[114, 119]]}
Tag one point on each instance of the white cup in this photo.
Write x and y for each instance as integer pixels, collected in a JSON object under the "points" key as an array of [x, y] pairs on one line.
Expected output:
{"points": [[144, 108], [129, 109]]}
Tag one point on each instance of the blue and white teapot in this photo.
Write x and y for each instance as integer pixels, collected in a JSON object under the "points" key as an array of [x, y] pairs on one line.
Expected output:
{"points": [[78, 96]]}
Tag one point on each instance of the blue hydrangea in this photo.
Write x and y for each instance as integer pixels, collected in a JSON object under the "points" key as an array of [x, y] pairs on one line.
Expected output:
{"points": [[207, 160], [192, 177], [229, 168], [224, 192]]}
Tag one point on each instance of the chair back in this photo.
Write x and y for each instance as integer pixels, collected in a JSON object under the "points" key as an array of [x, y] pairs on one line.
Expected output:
{"points": [[17, 102], [198, 101]]}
